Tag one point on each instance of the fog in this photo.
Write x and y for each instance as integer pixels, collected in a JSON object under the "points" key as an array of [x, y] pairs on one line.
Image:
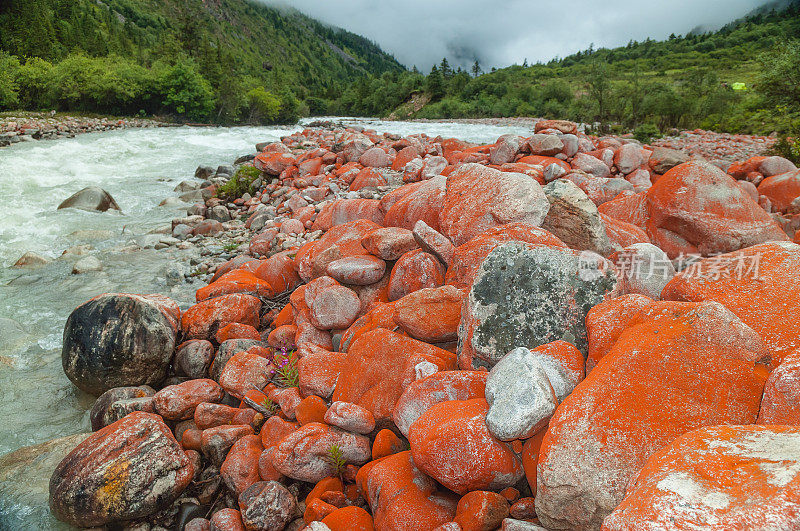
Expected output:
{"points": [[421, 32]]}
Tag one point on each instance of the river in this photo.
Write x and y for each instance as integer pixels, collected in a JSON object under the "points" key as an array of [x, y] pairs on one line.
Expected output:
{"points": [[139, 168]]}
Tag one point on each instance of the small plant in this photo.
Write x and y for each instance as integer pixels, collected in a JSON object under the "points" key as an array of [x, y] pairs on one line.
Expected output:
{"points": [[269, 406], [336, 459], [230, 246], [240, 183], [285, 373]]}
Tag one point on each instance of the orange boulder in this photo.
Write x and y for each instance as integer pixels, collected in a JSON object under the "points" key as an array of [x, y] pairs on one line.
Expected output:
{"points": [[202, 320], [414, 271], [720, 477], [781, 401], [759, 284], [781, 189], [663, 377], [697, 208], [236, 281], [380, 366], [451, 443], [403, 498], [431, 314], [480, 198]]}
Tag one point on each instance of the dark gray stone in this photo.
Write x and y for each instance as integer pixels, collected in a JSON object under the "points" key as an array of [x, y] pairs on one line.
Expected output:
{"points": [[117, 340]]}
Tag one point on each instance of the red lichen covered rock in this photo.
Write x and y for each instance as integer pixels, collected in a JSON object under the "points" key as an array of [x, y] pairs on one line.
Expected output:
{"points": [[236, 281], [442, 386], [720, 477], [336, 307], [759, 284], [431, 314], [414, 271], [480, 198], [781, 401], [350, 417], [279, 272], [129, 469], [178, 402], [361, 270], [419, 201], [344, 211], [342, 240], [380, 367], [240, 468], [402, 497], [389, 243], [349, 519], [245, 371], [481, 510], [438, 441], [663, 377], [781, 189], [305, 454], [697, 208], [202, 320], [319, 371]]}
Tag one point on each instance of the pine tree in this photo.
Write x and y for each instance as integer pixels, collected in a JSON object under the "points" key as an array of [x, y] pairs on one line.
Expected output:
{"points": [[476, 69]]}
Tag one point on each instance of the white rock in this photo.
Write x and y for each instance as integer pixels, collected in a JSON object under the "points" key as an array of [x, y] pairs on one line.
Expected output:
{"points": [[87, 264], [520, 395]]}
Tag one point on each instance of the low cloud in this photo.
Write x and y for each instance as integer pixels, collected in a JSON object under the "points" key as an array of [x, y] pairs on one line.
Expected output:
{"points": [[500, 33]]}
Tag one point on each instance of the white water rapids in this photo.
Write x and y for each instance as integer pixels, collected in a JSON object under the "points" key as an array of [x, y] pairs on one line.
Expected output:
{"points": [[139, 168]]}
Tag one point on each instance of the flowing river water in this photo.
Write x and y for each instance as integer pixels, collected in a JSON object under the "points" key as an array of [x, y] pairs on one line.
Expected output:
{"points": [[139, 168]]}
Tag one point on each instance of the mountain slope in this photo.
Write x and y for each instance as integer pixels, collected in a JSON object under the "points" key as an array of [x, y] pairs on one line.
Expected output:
{"points": [[227, 39]]}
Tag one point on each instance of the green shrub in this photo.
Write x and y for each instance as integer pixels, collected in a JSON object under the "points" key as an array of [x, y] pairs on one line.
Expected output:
{"points": [[9, 86], [184, 91], [265, 107], [240, 184], [788, 147], [646, 132]]}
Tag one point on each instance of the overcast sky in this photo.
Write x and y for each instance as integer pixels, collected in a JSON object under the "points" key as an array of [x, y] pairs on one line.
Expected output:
{"points": [[503, 32]]}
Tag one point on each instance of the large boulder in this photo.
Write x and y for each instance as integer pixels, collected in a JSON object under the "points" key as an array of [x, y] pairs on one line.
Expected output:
{"points": [[119, 339], [697, 208], [720, 477], [92, 198], [574, 218], [130, 469], [480, 198], [759, 284], [781, 189], [676, 369], [526, 297]]}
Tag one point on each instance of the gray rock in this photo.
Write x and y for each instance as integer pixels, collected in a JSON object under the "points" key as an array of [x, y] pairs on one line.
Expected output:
{"points": [[226, 169], [775, 166], [546, 145], [521, 398], [192, 196], [553, 172], [31, 260], [203, 172], [92, 198], [117, 340], [186, 186], [194, 358], [591, 165], [530, 296], [267, 505], [219, 213], [574, 218], [510, 524], [99, 415], [664, 159], [643, 268], [86, 265]]}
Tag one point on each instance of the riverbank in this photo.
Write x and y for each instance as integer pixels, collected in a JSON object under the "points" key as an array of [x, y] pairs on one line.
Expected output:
{"points": [[417, 314], [26, 126]]}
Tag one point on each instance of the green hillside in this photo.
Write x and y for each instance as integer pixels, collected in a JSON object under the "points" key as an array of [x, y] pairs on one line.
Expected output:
{"points": [[148, 55], [685, 81]]}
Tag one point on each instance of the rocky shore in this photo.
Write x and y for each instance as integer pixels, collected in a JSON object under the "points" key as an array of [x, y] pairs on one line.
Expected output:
{"points": [[27, 126], [411, 333]]}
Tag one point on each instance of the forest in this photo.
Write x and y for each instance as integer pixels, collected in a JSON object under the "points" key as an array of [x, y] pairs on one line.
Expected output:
{"points": [[234, 61]]}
